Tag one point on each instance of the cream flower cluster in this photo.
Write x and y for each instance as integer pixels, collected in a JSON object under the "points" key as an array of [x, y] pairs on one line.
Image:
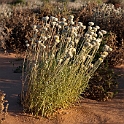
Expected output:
{"points": [[68, 40], [107, 10]]}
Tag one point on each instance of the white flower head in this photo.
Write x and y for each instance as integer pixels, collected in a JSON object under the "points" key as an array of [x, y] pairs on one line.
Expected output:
{"points": [[34, 27], [91, 65], [93, 38], [26, 41], [64, 19], [91, 23], [104, 54], [44, 38], [90, 37], [68, 39], [52, 18], [48, 36], [100, 60], [110, 49], [91, 33], [84, 27], [72, 51], [71, 17], [95, 35], [75, 34], [97, 27], [76, 41], [99, 40], [60, 61], [45, 28], [59, 26], [107, 48], [80, 24], [43, 45], [56, 37], [53, 23], [87, 35], [83, 58], [72, 22], [36, 30], [45, 19], [89, 28], [55, 19], [104, 32], [39, 41], [27, 45], [65, 24]]}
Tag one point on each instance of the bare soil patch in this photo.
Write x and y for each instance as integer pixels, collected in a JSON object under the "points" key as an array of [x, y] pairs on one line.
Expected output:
{"points": [[86, 111]]}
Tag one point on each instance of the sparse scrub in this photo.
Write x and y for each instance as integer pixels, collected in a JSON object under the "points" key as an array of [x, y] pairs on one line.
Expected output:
{"points": [[17, 29]]}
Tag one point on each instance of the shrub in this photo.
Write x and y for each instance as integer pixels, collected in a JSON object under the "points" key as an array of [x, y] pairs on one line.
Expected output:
{"points": [[103, 85], [107, 17], [17, 28], [59, 63], [3, 107]]}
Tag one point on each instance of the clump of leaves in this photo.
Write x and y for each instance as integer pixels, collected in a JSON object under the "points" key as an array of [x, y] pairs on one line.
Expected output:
{"points": [[116, 57], [103, 85], [18, 29]]}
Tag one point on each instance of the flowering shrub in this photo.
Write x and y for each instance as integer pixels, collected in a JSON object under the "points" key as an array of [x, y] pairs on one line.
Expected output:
{"points": [[107, 17], [59, 62]]}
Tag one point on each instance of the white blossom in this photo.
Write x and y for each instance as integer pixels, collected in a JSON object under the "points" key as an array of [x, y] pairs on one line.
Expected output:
{"points": [[104, 32], [100, 33], [97, 27], [91, 23], [27, 45], [80, 24], [68, 39], [71, 17], [89, 28], [64, 19], [39, 41], [26, 41]]}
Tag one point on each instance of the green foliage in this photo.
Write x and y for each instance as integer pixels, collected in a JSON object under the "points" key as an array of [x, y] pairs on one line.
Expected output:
{"points": [[59, 64], [103, 85]]}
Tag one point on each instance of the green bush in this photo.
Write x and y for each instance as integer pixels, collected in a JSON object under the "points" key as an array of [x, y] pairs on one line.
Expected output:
{"points": [[59, 63], [103, 85]]}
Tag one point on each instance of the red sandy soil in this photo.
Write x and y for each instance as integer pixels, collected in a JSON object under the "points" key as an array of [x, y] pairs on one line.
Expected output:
{"points": [[86, 111]]}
